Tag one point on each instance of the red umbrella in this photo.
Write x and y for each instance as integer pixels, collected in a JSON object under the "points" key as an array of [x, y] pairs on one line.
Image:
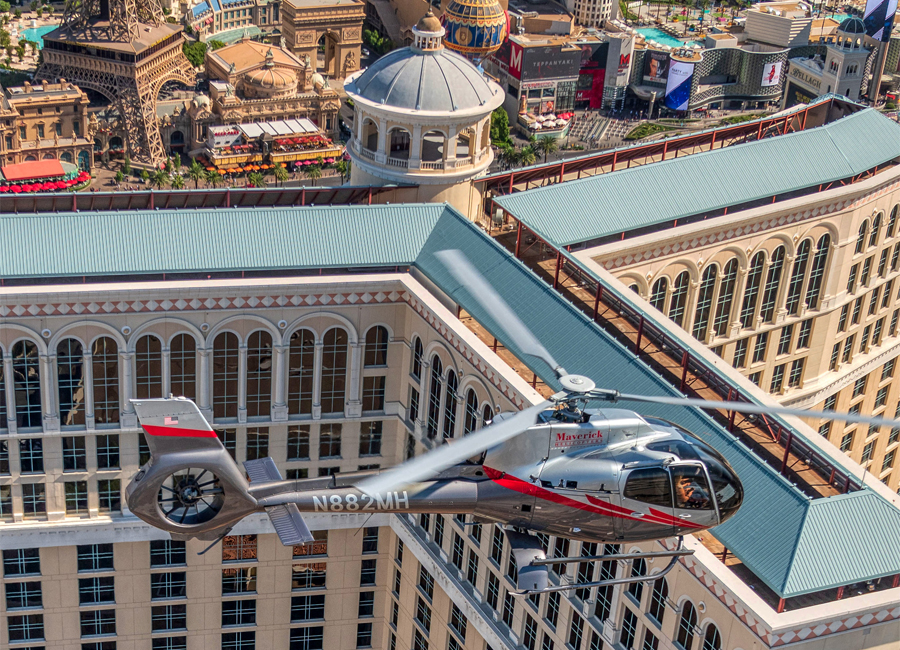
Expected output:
{"points": [[48, 186], [60, 185], [4, 188], [16, 189]]}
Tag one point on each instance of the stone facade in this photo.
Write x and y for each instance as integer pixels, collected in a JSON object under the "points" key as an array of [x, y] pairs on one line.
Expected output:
{"points": [[339, 22]]}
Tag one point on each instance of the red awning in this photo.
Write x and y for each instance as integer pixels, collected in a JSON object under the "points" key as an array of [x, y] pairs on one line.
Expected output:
{"points": [[32, 170]]}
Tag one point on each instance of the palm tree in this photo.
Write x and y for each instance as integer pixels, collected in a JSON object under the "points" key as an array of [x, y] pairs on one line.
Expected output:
{"points": [[526, 156], [506, 155], [313, 173], [281, 174], [160, 178], [196, 173], [343, 168], [256, 179], [177, 182], [546, 145], [213, 178]]}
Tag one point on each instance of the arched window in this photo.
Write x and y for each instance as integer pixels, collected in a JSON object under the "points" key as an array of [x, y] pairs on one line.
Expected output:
{"points": [[183, 366], [487, 415], [704, 302], [892, 222], [773, 280], [301, 371], [658, 293], [148, 367], [679, 298], [861, 237], [105, 365], [225, 376], [259, 374], [334, 370], [726, 297], [70, 382], [376, 347], [638, 568], [798, 275], [751, 292], [434, 396], [471, 421], [685, 636], [658, 600], [27, 384], [712, 640], [876, 225], [635, 288], [817, 273], [450, 406], [418, 353]]}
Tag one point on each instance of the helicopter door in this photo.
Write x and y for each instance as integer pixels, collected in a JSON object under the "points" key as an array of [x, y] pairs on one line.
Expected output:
{"points": [[647, 499], [694, 502]]}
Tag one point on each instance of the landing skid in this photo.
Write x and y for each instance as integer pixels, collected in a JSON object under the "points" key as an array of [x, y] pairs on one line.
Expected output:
{"points": [[533, 573]]}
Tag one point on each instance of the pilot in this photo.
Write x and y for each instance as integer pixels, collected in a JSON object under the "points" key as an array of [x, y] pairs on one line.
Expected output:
{"points": [[689, 493]]}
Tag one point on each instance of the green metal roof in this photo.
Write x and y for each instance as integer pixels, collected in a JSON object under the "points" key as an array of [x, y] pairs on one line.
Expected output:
{"points": [[793, 544], [629, 199]]}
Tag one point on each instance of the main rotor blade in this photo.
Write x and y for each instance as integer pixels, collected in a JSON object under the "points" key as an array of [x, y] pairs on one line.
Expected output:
{"points": [[469, 277], [745, 407], [429, 464]]}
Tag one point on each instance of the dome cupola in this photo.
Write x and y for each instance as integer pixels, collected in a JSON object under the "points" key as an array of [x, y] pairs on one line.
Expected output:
{"points": [[428, 32]]}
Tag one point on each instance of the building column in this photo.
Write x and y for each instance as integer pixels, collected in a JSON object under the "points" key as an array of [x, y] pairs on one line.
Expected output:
{"points": [[166, 371], [9, 386], [87, 375], [279, 408], [242, 384], [203, 393], [354, 403], [317, 381], [739, 288], [415, 148], [382, 152], [51, 419], [127, 416]]}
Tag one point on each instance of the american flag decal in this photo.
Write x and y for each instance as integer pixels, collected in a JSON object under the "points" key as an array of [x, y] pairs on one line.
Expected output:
{"points": [[171, 420]]}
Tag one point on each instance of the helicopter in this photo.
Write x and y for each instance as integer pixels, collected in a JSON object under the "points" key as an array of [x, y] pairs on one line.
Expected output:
{"points": [[557, 468]]}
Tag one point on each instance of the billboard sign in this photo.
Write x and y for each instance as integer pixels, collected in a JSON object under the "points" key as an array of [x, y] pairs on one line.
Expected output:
{"points": [[771, 74], [536, 63], [656, 66], [678, 85], [592, 73], [879, 18]]}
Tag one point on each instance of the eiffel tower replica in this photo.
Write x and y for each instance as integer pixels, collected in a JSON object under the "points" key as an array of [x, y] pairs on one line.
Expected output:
{"points": [[124, 50]]}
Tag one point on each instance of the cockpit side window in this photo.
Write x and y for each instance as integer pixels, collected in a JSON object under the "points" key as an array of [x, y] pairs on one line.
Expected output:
{"points": [[691, 488], [675, 447], [649, 486]]}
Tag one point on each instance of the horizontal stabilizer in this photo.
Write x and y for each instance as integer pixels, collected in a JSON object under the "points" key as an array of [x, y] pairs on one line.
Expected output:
{"points": [[289, 524], [526, 549], [262, 470]]}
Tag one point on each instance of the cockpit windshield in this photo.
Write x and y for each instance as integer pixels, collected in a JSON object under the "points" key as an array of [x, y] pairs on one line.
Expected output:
{"points": [[691, 488]]}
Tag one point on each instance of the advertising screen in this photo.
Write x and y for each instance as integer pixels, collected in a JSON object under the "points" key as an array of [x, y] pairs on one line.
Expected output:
{"points": [[771, 74], [656, 66], [592, 73], [879, 18], [533, 63], [678, 85]]}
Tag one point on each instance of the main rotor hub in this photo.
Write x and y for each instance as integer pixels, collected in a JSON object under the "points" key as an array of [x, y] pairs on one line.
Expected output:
{"points": [[576, 383]]}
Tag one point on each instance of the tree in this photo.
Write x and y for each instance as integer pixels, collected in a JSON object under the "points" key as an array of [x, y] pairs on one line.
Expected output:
{"points": [[34, 5], [213, 178], [281, 174], [5, 39], [126, 165], [343, 168], [196, 173], [145, 175], [177, 182], [18, 13], [40, 13], [177, 160], [4, 6], [500, 127], [195, 52], [20, 52], [120, 176], [546, 145], [525, 156], [160, 178], [256, 179], [313, 173], [34, 47], [506, 155], [169, 166], [215, 44]]}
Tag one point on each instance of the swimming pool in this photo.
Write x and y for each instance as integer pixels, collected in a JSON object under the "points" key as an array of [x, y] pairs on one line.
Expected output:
{"points": [[661, 37], [36, 34]]}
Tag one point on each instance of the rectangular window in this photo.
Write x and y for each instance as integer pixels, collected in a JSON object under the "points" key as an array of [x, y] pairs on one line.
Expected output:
{"points": [[168, 617], [34, 500], [96, 591], [873, 301], [238, 613], [76, 497], [784, 341], [493, 591], [373, 393], [857, 310], [316, 548], [423, 614], [755, 377], [509, 604], [95, 557], [552, 614], [887, 371], [805, 334], [4, 445], [426, 582], [882, 262], [886, 296], [876, 331], [305, 638], [108, 452], [796, 375], [298, 443], [25, 628], [110, 494], [847, 442], [835, 351], [576, 631], [894, 318], [228, 437], [363, 635], [759, 350], [457, 554], [98, 622], [31, 456], [21, 562], [170, 643], [419, 641], [238, 581], [366, 604], [867, 452], [330, 441], [167, 552], [851, 279], [740, 353], [239, 548], [413, 404], [848, 349], [842, 323], [529, 633], [860, 386], [825, 428], [650, 641], [308, 576], [629, 628], [881, 397], [257, 443], [6, 507], [367, 572], [74, 454], [472, 567], [143, 450], [23, 595], [886, 463], [864, 276], [370, 438], [370, 540], [168, 585]]}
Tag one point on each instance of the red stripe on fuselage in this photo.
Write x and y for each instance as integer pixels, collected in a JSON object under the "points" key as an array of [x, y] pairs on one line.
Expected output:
{"points": [[599, 507], [155, 430]]}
